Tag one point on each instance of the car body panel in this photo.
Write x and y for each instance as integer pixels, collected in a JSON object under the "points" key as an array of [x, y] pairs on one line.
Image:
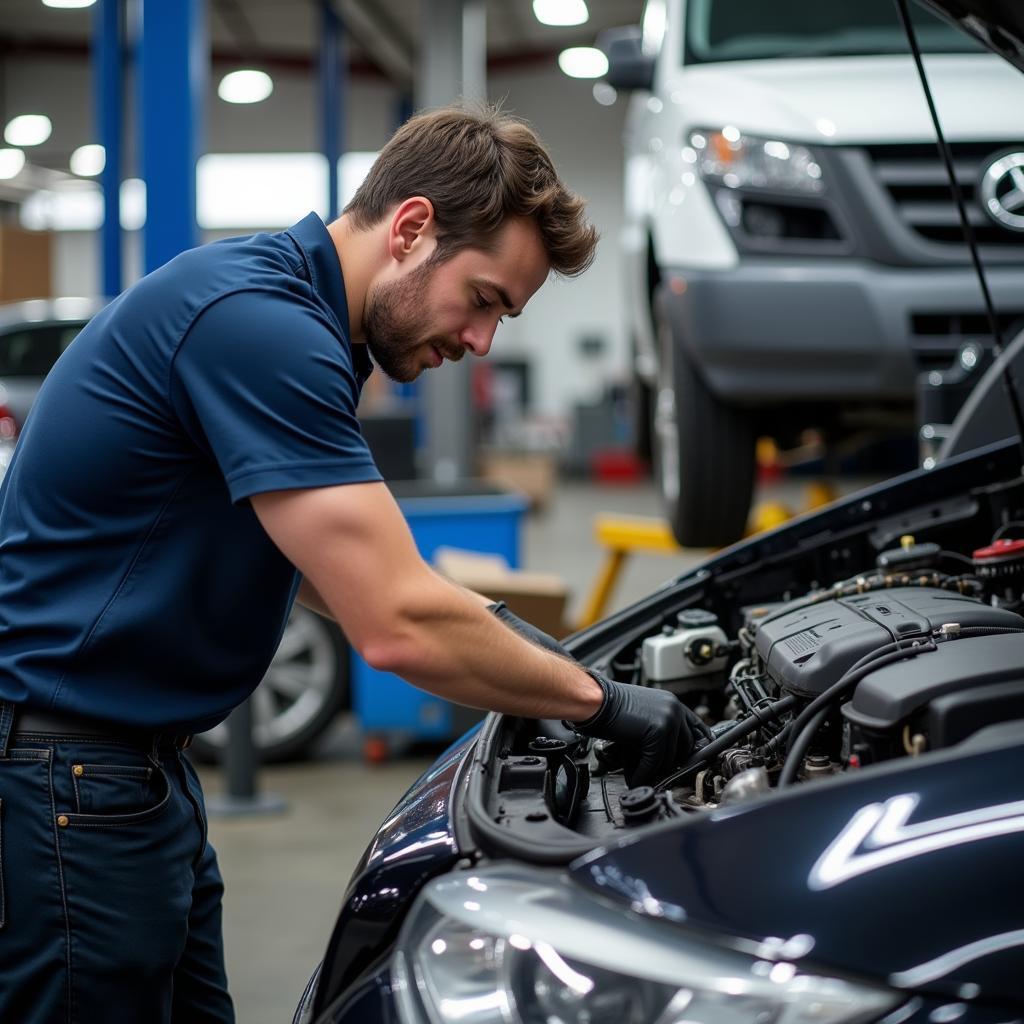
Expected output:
{"points": [[415, 843], [907, 873]]}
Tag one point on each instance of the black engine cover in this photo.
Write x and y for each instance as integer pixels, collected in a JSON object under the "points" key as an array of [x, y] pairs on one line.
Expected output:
{"points": [[806, 650], [965, 685]]}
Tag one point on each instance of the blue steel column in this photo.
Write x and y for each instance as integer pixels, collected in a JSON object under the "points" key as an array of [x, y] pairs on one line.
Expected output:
{"points": [[108, 65], [333, 79], [174, 68]]}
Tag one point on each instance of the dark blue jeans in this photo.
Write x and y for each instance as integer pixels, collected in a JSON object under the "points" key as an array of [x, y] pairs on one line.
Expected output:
{"points": [[110, 896]]}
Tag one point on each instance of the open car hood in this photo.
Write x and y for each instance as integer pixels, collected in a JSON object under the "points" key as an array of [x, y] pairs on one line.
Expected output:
{"points": [[996, 24]]}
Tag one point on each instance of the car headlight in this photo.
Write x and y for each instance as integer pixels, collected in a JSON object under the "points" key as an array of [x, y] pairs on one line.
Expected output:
{"points": [[517, 945], [734, 160]]}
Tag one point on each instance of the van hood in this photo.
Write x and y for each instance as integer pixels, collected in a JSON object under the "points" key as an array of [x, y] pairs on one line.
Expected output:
{"points": [[856, 100]]}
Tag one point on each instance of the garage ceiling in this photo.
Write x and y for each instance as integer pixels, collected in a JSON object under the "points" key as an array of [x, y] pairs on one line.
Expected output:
{"points": [[286, 30]]}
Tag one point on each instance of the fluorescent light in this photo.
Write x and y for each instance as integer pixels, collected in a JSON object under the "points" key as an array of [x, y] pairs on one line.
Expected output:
{"points": [[28, 130], [583, 62], [246, 86], [68, 4], [88, 161], [353, 167], [560, 12], [11, 163], [132, 204], [259, 190], [64, 209]]}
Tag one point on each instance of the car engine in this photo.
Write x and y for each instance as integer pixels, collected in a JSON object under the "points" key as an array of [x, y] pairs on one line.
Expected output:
{"points": [[891, 663], [899, 660]]}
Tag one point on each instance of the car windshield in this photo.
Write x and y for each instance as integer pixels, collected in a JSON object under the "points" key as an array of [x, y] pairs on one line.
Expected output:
{"points": [[31, 351], [723, 30]]}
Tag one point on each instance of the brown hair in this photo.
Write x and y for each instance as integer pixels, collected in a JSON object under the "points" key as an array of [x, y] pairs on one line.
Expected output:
{"points": [[478, 166]]}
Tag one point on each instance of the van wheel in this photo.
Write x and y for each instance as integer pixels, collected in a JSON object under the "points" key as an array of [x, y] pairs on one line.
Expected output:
{"points": [[303, 690], [703, 449]]}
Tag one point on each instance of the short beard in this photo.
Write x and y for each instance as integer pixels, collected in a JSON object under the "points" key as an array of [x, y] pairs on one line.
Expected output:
{"points": [[392, 321]]}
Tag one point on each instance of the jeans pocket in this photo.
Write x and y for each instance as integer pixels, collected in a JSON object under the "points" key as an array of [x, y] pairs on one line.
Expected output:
{"points": [[112, 794], [112, 788]]}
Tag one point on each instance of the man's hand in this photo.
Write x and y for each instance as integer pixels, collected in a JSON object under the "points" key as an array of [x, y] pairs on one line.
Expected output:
{"points": [[656, 729]]}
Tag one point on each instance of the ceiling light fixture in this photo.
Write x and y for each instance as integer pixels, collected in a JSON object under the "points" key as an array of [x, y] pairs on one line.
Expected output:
{"points": [[11, 163], [88, 161], [561, 12], [583, 62], [245, 86], [27, 130], [67, 5]]}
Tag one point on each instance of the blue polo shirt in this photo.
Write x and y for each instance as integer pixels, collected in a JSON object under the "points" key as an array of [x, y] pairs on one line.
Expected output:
{"points": [[136, 583]]}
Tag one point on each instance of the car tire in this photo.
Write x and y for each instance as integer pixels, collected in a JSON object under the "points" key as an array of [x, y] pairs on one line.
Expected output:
{"points": [[703, 449], [303, 690]]}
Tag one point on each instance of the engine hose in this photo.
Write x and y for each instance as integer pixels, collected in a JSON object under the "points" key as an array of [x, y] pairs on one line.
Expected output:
{"points": [[729, 739], [799, 747], [984, 631], [781, 740], [847, 682]]}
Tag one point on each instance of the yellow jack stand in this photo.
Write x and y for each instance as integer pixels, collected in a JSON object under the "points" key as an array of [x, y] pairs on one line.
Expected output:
{"points": [[620, 536]]}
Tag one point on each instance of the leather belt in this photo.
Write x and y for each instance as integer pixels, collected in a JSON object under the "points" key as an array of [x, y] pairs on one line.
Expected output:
{"points": [[52, 724]]}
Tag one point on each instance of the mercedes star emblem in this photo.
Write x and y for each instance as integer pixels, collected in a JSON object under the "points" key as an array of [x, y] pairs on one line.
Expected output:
{"points": [[1002, 191]]}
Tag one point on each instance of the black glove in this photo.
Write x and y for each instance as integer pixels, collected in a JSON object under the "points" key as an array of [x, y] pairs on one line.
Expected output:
{"points": [[656, 730], [524, 629]]}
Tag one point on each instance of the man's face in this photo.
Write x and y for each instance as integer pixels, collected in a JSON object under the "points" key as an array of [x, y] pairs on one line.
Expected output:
{"points": [[441, 310]]}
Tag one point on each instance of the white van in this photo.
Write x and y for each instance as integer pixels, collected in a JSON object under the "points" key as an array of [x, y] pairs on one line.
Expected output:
{"points": [[794, 255]]}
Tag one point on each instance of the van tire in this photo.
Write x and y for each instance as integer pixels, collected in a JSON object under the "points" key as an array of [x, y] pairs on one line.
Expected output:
{"points": [[703, 448]]}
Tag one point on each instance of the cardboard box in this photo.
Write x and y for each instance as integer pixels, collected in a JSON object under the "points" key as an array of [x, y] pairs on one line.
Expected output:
{"points": [[25, 264], [539, 598], [531, 473]]}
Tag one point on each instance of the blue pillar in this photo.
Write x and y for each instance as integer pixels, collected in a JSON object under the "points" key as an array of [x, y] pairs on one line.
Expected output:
{"points": [[108, 65], [174, 67], [333, 80], [403, 109]]}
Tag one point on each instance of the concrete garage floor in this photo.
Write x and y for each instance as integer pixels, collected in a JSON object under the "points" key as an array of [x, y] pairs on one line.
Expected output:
{"points": [[286, 874]]}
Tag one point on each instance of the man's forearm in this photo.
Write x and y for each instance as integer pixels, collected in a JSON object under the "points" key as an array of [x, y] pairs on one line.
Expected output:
{"points": [[448, 643], [504, 674]]}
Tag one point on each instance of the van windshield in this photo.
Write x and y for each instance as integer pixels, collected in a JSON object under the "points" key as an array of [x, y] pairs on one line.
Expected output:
{"points": [[722, 30]]}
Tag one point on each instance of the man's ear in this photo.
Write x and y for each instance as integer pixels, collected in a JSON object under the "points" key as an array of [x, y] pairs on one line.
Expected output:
{"points": [[412, 228]]}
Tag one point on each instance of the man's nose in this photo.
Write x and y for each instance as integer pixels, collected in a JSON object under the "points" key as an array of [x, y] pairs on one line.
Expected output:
{"points": [[477, 339]]}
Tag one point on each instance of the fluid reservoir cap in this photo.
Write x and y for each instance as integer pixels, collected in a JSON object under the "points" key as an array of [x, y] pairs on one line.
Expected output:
{"points": [[1000, 551], [1004, 558], [696, 618], [639, 804]]}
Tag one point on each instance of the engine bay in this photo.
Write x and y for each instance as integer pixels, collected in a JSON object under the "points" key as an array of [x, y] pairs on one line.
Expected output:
{"points": [[914, 653]]}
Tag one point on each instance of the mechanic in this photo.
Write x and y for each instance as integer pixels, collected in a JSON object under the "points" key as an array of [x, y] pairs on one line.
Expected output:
{"points": [[192, 465]]}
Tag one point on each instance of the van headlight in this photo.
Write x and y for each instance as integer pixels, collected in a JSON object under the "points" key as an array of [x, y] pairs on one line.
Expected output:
{"points": [[527, 946], [727, 157]]}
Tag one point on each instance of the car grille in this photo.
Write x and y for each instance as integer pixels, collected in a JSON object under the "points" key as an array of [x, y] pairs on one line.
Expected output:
{"points": [[914, 176], [935, 338]]}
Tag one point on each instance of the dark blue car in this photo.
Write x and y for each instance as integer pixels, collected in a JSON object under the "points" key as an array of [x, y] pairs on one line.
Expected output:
{"points": [[847, 847]]}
